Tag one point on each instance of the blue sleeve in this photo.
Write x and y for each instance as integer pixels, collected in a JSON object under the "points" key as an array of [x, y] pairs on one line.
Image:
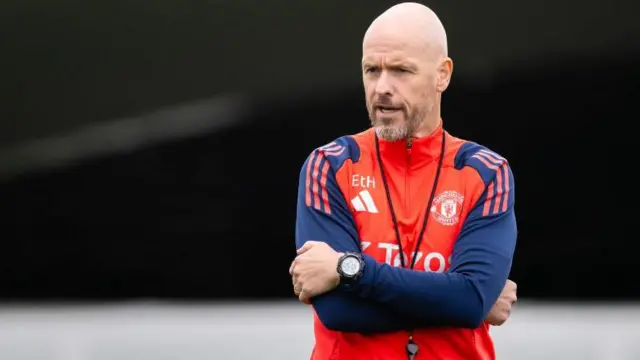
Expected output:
{"points": [[480, 264], [323, 215]]}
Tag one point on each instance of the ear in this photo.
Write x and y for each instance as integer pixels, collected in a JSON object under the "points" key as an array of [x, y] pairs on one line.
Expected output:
{"points": [[445, 70]]}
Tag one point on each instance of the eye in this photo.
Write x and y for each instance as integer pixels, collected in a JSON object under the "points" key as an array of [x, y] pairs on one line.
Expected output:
{"points": [[371, 69]]}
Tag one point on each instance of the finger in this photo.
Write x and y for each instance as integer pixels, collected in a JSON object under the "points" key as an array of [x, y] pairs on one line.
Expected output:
{"points": [[297, 271], [306, 247], [304, 296], [294, 265], [509, 296]]}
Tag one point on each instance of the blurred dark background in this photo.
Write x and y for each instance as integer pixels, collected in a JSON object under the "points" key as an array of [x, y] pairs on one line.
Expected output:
{"points": [[150, 149]]}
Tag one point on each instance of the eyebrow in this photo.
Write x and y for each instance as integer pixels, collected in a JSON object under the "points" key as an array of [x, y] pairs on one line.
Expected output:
{"points": [[391, 64]]}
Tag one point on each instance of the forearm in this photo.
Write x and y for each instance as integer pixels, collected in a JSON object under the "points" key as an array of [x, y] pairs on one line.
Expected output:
{"points": [[341, 311], [459, 299], [462, 297]]}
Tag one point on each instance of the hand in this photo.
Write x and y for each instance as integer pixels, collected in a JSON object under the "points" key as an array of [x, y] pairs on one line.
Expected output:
{"points": [[501, 310], [315, 270], [296, 286]]}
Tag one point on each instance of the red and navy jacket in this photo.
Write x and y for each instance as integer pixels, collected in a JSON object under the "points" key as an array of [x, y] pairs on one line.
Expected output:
{"points": [[461, 266]]}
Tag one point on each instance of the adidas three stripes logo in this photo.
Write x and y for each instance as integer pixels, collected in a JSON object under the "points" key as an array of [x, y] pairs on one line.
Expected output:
{"points": [[364, 202]]}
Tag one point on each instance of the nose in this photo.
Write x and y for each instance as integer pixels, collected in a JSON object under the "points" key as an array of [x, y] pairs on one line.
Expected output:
{"points": [[383, 85]]}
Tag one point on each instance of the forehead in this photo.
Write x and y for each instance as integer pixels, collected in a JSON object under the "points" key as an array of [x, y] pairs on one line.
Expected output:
{"points": [[391, 47]]}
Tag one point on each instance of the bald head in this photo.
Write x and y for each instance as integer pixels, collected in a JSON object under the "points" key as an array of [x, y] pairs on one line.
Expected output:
{"points": [[405, 69], [412, 25]]}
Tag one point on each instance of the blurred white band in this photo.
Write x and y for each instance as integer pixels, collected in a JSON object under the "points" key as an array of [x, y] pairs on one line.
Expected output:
{"points": [[121, 135]]}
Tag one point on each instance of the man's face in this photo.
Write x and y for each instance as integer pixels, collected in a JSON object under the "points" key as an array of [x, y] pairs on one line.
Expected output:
{"points": [[400, 86]]}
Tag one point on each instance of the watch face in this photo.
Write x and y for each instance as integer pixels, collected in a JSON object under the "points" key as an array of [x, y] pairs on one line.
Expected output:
{"points": [[350, 266]]}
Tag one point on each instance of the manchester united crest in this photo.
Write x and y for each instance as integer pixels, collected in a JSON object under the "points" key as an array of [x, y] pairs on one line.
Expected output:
{"points": [[446, 207]]}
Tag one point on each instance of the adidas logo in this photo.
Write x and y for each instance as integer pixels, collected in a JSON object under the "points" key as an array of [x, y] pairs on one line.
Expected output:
{"points": [[364, 202]]}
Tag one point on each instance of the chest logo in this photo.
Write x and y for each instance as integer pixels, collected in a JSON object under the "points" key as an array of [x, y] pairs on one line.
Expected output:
{"points": [[446, 207], [364, 202]]}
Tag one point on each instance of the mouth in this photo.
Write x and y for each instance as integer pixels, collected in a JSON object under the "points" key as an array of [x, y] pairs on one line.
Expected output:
{"points": [[387, 110]]}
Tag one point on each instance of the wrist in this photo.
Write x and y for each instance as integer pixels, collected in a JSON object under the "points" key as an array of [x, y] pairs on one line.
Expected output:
{"points": [[366, 284], [350, 269], [337, 273]]}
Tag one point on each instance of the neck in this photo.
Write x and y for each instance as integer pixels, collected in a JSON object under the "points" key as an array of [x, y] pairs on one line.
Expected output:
{"points": [[431, 121], [428, 126]]}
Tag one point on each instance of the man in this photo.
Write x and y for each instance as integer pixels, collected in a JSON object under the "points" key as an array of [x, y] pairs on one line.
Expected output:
{"points": [[405, 234]]}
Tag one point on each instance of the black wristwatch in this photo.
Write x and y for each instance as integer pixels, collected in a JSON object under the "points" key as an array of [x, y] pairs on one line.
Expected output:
{"points": [[350, 269]]}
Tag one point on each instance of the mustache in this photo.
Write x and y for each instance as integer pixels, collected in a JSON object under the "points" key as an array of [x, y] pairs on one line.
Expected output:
{"points": [[385, 103]]}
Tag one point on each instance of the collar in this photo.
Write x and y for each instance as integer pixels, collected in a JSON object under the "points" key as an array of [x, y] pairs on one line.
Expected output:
{"points": [[415, 152]]}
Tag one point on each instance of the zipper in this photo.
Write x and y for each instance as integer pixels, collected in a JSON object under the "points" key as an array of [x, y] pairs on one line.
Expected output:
{"points": [[412, 347], [407, 175], [407, 191]]}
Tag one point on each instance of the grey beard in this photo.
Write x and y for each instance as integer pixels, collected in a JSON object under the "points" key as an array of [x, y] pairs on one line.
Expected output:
{"points": [[403, 131], [397, 132], [393, 133]]}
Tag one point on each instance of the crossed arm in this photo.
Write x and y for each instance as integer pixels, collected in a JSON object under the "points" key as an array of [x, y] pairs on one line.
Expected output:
{"points": [[390, 298]]}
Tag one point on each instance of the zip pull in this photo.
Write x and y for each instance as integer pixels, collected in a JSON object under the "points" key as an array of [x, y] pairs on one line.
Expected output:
{"points": [[409, 143], [412, 348]]}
